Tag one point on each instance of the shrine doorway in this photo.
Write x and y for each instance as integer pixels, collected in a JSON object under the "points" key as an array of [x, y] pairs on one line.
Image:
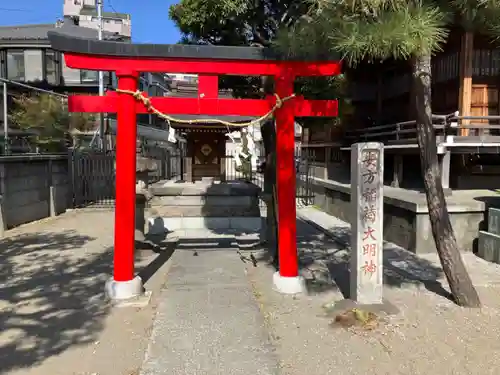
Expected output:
{"points": [[206, 154]]}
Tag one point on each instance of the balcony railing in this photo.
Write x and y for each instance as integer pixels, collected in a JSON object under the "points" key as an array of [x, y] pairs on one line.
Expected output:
{"points": [[451, 131]]}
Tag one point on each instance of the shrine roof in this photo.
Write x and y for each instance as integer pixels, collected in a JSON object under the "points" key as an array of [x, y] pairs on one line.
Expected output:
{"points": [[39, 32], [71, 43]]}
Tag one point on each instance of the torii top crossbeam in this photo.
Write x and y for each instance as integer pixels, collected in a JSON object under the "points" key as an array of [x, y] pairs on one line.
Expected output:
{"points": [[128, 60], [180, 58]]}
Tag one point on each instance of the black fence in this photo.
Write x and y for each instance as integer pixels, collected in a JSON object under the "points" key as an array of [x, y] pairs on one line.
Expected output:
{"points": [[92, 176], [169, 161], [92, 172], [233, 171], [303, 169], [303, 164]]}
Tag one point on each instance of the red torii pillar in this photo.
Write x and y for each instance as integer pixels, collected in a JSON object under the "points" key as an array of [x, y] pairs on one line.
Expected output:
{"points": [[127, 66]]}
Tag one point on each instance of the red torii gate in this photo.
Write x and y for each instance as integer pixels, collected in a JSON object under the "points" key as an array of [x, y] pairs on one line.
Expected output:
{"points": [[127, 60]]}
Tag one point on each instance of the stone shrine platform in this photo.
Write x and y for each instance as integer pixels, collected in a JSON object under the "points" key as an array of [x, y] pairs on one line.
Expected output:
{"points": [[206, 204]]}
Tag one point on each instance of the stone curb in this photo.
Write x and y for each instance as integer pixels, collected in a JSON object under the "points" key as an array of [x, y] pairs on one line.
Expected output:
{"points": [[324, 230]]}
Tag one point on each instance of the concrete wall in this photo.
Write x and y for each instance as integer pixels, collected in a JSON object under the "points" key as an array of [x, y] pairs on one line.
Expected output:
{"points": [[118, 25], [32, 187], [406, 218]]}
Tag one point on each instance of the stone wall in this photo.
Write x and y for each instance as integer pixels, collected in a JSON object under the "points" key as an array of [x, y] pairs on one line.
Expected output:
{"points": [[406, 220], [32, 187]]}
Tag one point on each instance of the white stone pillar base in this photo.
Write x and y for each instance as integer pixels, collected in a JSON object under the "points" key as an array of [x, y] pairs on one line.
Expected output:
{"points": [[124, 290], [289, 285]]}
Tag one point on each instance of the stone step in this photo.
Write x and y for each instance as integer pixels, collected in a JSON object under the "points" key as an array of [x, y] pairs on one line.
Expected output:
{"points": [[238, 224], [494, 221], [202, 188], [489, 246], [208, 211], [208, 200]]}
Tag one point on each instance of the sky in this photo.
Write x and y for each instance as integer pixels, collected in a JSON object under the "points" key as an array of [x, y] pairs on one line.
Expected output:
{"points": [[150, 23]]}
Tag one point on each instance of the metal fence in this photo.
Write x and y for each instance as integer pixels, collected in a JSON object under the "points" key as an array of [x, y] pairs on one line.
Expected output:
{"points": [[303, 159], [303, 169], [232, 172], [92, 172], [92, 176], [169, 160]]}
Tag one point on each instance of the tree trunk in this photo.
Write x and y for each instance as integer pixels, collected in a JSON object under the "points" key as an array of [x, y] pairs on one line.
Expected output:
{"points": [[460, 283], [268, 131]]}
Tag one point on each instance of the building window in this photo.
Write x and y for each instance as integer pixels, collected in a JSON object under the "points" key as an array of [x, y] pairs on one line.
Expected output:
{"points": [[89, 76], [24, 65], [50, 66], [107, 79], [110, 80], [142, 85], [70, 76], [33, 66], [3, 63], [15, 65]]}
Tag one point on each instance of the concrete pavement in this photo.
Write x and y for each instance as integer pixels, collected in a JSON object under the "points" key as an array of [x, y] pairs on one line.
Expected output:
{"points": [[208, 321]]}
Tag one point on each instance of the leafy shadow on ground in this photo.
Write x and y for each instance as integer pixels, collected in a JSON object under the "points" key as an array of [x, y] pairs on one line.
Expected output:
{"points": [[324, 261], [46, 296], [52, 295]]}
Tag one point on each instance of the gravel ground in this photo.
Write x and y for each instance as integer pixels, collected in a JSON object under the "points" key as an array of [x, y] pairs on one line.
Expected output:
{"points": [[53, 316], [429, 334], [54, 320]]}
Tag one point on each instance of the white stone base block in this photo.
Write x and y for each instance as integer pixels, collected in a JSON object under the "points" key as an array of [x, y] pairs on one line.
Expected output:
{"points": [[159, 225], [289, 285], [124, 290]]}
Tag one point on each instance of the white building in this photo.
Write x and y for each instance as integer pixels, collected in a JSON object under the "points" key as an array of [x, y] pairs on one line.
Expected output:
{"points": [[185, 78], [84, 13]]}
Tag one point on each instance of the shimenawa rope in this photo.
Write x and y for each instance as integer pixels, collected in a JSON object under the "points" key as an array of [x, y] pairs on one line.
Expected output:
{"points": [[147, 103]]}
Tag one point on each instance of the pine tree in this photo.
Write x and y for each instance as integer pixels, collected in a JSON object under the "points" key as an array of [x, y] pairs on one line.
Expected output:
{"points": [[376, 30], [357, 30]]}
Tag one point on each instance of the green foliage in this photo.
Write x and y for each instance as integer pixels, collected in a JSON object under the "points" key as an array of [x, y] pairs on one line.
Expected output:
{"points": [[236, 23], [478, 15], [210, 21], [368, 30], [47, 118], [356, 29], [256, 22], [331, 87], [375, 30]]}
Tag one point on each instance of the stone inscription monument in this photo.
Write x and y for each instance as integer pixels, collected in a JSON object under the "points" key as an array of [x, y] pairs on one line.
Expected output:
{"points": [[367, 181], [489, 241]]}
